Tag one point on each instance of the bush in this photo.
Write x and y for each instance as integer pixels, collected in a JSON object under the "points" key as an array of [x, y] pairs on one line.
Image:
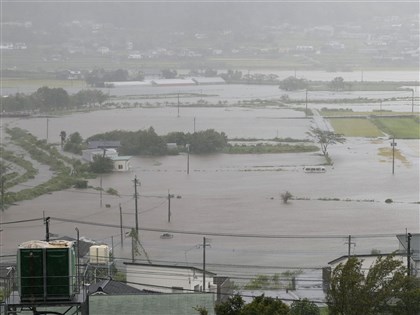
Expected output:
{"points": [[286, 197]]}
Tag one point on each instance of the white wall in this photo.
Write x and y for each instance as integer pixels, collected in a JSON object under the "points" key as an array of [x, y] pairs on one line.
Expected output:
{"points": [[166, 279]]}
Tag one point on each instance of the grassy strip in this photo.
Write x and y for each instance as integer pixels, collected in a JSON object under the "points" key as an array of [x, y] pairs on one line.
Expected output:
{"points": [[288, 139], [399, 127], [355, 127], [12, 179], [45, 154], [349, 112], [268, 148]]}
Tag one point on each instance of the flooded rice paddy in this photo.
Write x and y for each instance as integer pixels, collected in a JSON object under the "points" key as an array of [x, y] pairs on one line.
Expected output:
{"points": [[233, 200]]}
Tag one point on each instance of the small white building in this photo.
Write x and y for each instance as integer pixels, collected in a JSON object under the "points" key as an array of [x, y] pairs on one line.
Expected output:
{"points": [[169, 279], [121, 163]]}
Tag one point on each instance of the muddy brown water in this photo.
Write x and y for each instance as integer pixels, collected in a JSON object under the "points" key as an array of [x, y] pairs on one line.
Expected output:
{"points": [[231, 199]]}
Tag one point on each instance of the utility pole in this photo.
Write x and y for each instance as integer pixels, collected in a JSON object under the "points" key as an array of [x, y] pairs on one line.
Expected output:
{"points": [[349, 242], [2, 179], [178, 104], [188, 158], [204, 264], [409, 254], [47, 129], [78, 260], [136, 205], [121, 228], [194, 124], [47, 229], [412, 100], [169, 207], [100, 191], [393, 145], [306, 102]]}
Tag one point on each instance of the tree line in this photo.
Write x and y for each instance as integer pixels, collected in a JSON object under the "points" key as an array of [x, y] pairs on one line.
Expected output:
{"points": [[146, 142], [47, 99]]}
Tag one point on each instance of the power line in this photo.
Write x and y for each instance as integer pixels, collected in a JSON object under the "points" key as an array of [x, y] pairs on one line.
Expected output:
{"points": [[244, 235]]}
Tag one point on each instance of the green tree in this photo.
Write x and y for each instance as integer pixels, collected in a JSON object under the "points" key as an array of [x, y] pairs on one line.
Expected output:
{"points": [[337, 84], [16, 103], [325, 138], [88, 97], [207, 141], [74, 143], [201, 310], [101, 164], [51, 99], [293, 84], [286, 196], [408, 298], [380, 290], [233, 306], [262, 305], [304, 307], [169, 74]]}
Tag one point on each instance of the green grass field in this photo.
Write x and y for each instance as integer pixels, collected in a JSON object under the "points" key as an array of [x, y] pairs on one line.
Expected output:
{"points": [[400, 127], [355, 127]]}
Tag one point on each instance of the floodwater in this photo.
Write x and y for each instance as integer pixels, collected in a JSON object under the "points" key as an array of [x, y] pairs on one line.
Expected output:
{"points": [[233, 200]]}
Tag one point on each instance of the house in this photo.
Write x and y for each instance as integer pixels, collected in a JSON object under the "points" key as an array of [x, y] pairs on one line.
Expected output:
{"points": [[121, 163], [177, 279], [104, 144], [173, 82], [112, 287], [169, 279], [89, 154], [208, 80]]}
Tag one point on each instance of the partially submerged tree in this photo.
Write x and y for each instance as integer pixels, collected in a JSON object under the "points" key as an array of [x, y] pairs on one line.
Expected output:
{"points": [[325, 138], [292, 84], [286, 196], [101, 164]]}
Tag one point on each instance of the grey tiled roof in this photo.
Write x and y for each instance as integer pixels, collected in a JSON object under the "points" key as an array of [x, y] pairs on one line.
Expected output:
{"points": [[111, 287]]}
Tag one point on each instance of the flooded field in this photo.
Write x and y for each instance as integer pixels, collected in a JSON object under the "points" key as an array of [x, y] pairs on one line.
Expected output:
{"points": [[232, 200]]}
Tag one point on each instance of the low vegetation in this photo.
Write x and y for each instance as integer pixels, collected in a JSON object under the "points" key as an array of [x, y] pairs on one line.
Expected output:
{"points": [[400, 127], [355, 127], [269, 148], [46, 154]]}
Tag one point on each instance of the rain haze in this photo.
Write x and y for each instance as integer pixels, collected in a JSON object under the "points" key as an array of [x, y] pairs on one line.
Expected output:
{"points": [[225, 98]]}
